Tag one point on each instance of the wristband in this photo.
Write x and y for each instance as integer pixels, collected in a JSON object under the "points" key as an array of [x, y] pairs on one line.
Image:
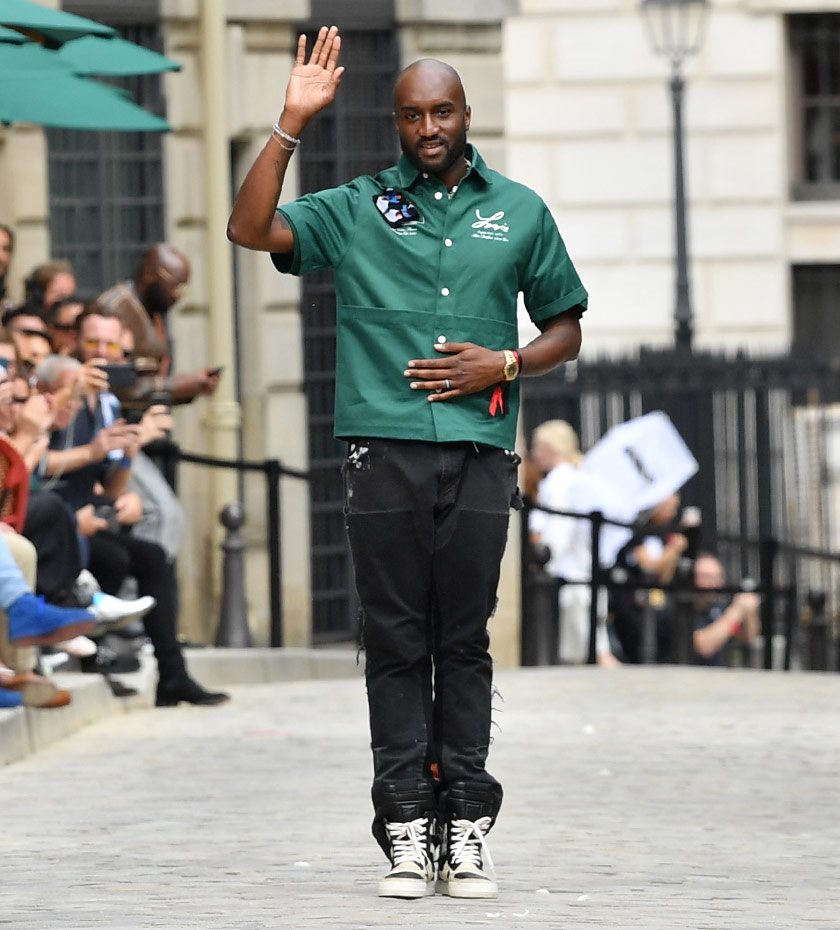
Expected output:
{"points": [[284, 135], [518, 355]]}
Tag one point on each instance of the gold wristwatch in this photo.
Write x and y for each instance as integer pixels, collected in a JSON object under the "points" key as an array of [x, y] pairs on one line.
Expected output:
{"points": [[511, 370]]}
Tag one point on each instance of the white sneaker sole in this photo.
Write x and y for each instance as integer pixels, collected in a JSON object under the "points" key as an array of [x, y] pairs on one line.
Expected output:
{"points": [[405, 888], [468, 888]]}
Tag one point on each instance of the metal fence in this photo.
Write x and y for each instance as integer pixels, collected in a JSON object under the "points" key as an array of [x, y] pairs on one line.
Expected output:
{"points": [[766, 434], [169, 455], [797, 630]]}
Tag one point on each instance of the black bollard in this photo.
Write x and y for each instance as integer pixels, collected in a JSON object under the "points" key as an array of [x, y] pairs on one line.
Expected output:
{"points": [[233, 628], [541, 622], [817, 631]]}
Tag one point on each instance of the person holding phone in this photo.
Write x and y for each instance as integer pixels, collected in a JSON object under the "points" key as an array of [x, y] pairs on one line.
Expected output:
{"points": [[144, 303], [98, 448]]}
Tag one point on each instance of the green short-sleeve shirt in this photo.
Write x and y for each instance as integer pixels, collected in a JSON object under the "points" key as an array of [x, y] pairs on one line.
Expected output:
{"points": [[414, 267]]}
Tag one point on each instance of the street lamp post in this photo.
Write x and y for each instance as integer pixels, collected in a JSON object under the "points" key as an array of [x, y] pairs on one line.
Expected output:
{"points": [[675, 28]]}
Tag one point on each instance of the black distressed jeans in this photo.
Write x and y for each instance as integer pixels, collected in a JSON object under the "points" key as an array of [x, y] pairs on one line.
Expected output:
{"points": [[428, 526]]}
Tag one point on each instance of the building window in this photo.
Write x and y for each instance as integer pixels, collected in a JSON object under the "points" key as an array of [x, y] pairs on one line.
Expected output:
{"points": [[816, 312], [354, 136], [815, 63], [106, 188]]}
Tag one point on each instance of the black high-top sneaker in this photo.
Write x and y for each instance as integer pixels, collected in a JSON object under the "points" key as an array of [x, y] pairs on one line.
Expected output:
{"points": [[406, 828], [466, 867]]}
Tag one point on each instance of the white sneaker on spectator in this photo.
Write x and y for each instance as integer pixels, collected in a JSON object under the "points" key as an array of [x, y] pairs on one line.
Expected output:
{"points": [[79, 646], [112, 612]]}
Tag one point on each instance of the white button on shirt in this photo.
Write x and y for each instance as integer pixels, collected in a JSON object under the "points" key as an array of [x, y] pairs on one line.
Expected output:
{"points": [[447, 243], [438, 195], [445, 291], [441, 339]]}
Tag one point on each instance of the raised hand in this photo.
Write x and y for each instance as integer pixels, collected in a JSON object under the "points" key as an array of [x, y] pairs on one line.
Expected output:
{"points": [[312, 86]]}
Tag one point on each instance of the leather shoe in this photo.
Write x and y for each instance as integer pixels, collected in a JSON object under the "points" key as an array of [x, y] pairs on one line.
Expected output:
{"points": [[171, 691]]}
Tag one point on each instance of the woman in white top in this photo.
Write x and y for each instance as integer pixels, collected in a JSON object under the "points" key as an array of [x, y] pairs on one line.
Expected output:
{"points": [[556, 452]]}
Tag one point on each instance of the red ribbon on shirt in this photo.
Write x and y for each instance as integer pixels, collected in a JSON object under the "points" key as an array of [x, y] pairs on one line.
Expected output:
{"points": [[497, 401]]}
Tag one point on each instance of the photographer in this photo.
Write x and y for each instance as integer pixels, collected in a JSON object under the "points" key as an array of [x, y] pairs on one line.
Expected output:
{"points": [[98, 448], [719, 621]]}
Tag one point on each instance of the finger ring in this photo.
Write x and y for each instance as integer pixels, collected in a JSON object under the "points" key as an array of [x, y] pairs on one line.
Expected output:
{"points": [[448, 384]]}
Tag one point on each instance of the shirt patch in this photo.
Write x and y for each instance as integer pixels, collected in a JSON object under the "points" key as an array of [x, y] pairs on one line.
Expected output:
{"points": [[397, 211], [490, 227]]}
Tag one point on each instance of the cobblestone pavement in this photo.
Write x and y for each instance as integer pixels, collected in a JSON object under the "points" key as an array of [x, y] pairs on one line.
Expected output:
{"points": [[655, 798]]}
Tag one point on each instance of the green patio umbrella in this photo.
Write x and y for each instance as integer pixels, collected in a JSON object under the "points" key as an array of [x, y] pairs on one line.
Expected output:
{"points": [[37, 87], [54, 26], [113, 57], [9, 35]]}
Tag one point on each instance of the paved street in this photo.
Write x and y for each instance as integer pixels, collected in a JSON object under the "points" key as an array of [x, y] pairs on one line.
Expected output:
{"points": [[654, 798]]}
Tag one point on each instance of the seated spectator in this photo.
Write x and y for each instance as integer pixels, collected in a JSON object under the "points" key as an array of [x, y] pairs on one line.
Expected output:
{"points": [[49, 282], [143, 304], [556, 452], [98, 448], [28, 331], [61, 322], [8, 355], [651, 556], [17, 662], [7, 249], [25, 420], [32, 621], [720, 621], [163, 515]]}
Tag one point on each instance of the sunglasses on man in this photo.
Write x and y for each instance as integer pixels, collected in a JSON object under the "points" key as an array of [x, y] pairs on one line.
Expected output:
{"points": [[109, 345]]}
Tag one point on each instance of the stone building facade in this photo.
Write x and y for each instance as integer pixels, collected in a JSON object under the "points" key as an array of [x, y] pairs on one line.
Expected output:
{"points": [[567, 97], [588, 120], [272, 404]]}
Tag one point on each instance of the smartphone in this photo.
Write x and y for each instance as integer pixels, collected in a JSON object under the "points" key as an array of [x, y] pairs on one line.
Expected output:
{"points": [[106, 512], [119, 376]]}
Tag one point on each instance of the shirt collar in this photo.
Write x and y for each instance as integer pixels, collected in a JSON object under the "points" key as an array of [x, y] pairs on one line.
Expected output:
{"points": [[409, 174]]}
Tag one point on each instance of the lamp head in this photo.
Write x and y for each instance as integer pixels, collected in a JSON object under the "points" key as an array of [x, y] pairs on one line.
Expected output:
{"points": [[675, 27]]}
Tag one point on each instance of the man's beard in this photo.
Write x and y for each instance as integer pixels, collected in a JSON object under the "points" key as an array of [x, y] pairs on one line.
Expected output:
{"points": [[454, 152], [154, 300]]}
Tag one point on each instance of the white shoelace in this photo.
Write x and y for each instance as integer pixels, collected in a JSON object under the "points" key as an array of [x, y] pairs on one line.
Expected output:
{"points": [[408, 841], [467, 843]]}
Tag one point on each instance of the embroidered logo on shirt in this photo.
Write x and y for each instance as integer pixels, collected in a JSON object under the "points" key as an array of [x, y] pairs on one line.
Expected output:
{"points": [[397, 210], [490, 227]]}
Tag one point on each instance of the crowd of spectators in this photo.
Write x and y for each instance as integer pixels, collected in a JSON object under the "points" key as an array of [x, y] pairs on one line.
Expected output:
{"points": [[89, 528], [636, 617]]}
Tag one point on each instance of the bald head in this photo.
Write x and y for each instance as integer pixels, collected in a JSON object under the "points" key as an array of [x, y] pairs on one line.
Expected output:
{"points": [[161, 278], [430, 74], [432, 118], [163, 255]]}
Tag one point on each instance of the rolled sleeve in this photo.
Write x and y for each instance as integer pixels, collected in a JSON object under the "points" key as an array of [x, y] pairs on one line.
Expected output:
{"points": [[322, 225], [551, 283]]}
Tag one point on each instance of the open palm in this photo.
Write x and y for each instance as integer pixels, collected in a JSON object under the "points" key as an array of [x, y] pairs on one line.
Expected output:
{"points": [[312, 86]]}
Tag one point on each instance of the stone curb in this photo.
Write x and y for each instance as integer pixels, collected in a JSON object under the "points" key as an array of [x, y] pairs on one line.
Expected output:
{"points": [[24, 731]]}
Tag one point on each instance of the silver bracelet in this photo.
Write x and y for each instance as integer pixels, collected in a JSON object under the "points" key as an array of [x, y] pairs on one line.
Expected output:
{"points": [[286, 148], [285, 135]]}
